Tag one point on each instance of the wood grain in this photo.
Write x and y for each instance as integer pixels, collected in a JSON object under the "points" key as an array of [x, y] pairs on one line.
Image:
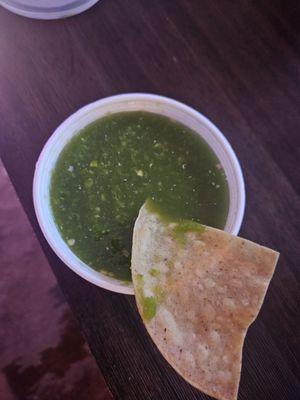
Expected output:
{"points": [[238, 63]]}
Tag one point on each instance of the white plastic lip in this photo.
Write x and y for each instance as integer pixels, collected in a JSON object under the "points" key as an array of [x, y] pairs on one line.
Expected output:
{"points": [[118, 103], [46, 11]]}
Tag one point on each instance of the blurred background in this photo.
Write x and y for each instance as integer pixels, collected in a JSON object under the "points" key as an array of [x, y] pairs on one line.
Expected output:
{"points": [[43, 354]]}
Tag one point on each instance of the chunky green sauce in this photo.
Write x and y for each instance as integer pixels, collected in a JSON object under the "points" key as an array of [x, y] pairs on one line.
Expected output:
{"points": [[107, 171]]}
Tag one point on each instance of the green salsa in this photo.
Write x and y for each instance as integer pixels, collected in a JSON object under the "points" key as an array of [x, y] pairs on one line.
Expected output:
{"points": [[108, 170]]}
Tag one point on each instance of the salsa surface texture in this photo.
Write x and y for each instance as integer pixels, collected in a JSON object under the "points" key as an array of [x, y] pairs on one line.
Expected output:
{"points": [[108, 170]]}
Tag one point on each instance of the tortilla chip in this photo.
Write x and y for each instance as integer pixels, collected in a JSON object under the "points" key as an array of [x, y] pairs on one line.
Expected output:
{"points": [[198, 289]]}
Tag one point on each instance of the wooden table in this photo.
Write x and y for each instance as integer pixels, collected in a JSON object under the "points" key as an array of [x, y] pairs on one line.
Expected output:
{"points": [[238, 62]]}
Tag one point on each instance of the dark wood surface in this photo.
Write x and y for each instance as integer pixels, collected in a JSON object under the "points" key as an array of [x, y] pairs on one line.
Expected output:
{"points": [[238, 62]]}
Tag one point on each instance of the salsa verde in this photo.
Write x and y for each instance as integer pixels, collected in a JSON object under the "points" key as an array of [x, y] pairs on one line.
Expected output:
{"points": [[109, 169]]}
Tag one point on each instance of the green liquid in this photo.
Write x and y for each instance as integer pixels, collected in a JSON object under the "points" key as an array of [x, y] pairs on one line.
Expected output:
{"points": [[107, 171]]}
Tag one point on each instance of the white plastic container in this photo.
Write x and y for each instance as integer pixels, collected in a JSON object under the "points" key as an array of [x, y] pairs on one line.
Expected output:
{"points": [[128, 102], [47, 9]]}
